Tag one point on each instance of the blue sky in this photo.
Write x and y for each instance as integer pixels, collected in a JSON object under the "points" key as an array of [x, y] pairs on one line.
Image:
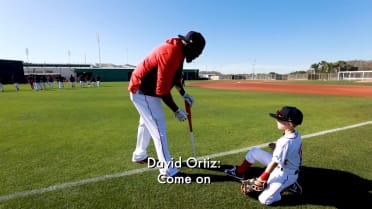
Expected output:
{"points": [[243, 36]]}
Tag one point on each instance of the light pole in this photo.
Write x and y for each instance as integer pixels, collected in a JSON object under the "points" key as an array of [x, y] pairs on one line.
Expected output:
{"points": [[253, 70], [99, 49], [27, 54]]}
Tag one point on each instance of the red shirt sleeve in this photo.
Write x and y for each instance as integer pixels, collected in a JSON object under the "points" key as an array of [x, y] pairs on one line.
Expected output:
{"points": [[166, 59], [169, 61]]}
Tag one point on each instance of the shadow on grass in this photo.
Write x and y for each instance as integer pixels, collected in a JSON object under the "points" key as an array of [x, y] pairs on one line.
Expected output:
{"points": [[214, 178], [325, 187], [253, 172], [329, 187]]}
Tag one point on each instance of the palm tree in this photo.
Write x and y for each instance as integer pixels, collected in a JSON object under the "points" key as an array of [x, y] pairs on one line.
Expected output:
{"points": [[340, 65], [324, 67], [315, 66]]}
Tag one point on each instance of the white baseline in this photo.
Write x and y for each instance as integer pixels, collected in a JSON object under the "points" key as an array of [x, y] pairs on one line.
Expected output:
{"points": [[136, 171]]}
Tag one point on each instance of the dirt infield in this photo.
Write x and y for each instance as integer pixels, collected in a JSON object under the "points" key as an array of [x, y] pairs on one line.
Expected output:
{"points": [[285, 87]]}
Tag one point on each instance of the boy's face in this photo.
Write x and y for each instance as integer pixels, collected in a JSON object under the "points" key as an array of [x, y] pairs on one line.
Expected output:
{"points": [[284, 125]]}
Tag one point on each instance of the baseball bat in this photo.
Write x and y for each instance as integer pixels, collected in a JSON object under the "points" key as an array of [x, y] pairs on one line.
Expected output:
{"points": [[188, 110]]}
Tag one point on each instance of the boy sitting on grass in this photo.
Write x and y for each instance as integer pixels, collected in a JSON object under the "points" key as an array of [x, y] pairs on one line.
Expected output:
{"points": [[282, 166]]}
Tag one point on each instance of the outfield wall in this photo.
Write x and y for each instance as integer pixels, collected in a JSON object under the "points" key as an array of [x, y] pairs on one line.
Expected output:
{"points": [[11, 71]]}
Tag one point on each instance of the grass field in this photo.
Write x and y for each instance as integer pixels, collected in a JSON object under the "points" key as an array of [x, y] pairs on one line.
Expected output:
{"points": [[72, 148]]}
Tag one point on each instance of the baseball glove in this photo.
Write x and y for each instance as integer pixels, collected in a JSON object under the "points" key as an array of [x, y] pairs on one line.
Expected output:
{"points": [[253, 185]]}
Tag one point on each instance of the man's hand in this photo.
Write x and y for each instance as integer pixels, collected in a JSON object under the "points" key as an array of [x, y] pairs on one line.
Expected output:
{"points": [[181, 115], [189, 99]]}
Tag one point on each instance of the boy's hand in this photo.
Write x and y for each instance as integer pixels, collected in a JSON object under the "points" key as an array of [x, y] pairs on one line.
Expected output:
{"points": [[272, 146], [252, 185]]}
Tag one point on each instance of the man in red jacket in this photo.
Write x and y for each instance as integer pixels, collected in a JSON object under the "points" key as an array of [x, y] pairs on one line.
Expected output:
{"points": [[150, 84]]}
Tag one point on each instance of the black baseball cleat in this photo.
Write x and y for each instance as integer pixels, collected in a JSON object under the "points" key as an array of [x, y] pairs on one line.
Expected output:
{"points": [[295, 188], [146, 161], [232, 173]]}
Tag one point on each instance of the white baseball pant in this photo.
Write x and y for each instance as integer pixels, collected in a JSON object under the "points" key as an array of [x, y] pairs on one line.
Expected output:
{"points": [[279, 178], [152, 124]]}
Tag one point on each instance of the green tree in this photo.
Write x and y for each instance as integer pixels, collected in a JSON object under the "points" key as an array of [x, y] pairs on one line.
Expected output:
{"points": [[324, 67], [315, 66]]}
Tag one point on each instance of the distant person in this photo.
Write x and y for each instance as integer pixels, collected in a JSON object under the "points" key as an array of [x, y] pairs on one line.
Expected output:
{"points": [[60, 81], [98, 80], [30, 79], [82, 80], [150, 84], [50, 81], [88, 80], [72, 81], [44, 81], [15, 82], [1, 85], [37, 83], [93, 81]]}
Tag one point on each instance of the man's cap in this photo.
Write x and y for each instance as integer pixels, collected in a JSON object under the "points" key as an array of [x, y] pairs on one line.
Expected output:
{"points": [[290, 114], [194, 38]]}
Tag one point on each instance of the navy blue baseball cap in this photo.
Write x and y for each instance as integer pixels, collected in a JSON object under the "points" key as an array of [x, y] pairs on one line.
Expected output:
{"points": [[195, 38], [288, 113]]}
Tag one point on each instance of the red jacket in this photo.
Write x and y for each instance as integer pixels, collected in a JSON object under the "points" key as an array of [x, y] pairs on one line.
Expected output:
{"points": [[160, 70]]}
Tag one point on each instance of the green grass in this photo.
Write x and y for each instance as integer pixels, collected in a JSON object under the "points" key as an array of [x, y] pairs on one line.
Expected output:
{"points": [[66, 135]]}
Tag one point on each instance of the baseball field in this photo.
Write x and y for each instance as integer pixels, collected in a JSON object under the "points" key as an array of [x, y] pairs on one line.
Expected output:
{"points": [[72, 148]]}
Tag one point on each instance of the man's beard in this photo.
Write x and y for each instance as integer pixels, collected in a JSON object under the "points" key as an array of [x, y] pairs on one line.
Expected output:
{"points": [[188, 59]]}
